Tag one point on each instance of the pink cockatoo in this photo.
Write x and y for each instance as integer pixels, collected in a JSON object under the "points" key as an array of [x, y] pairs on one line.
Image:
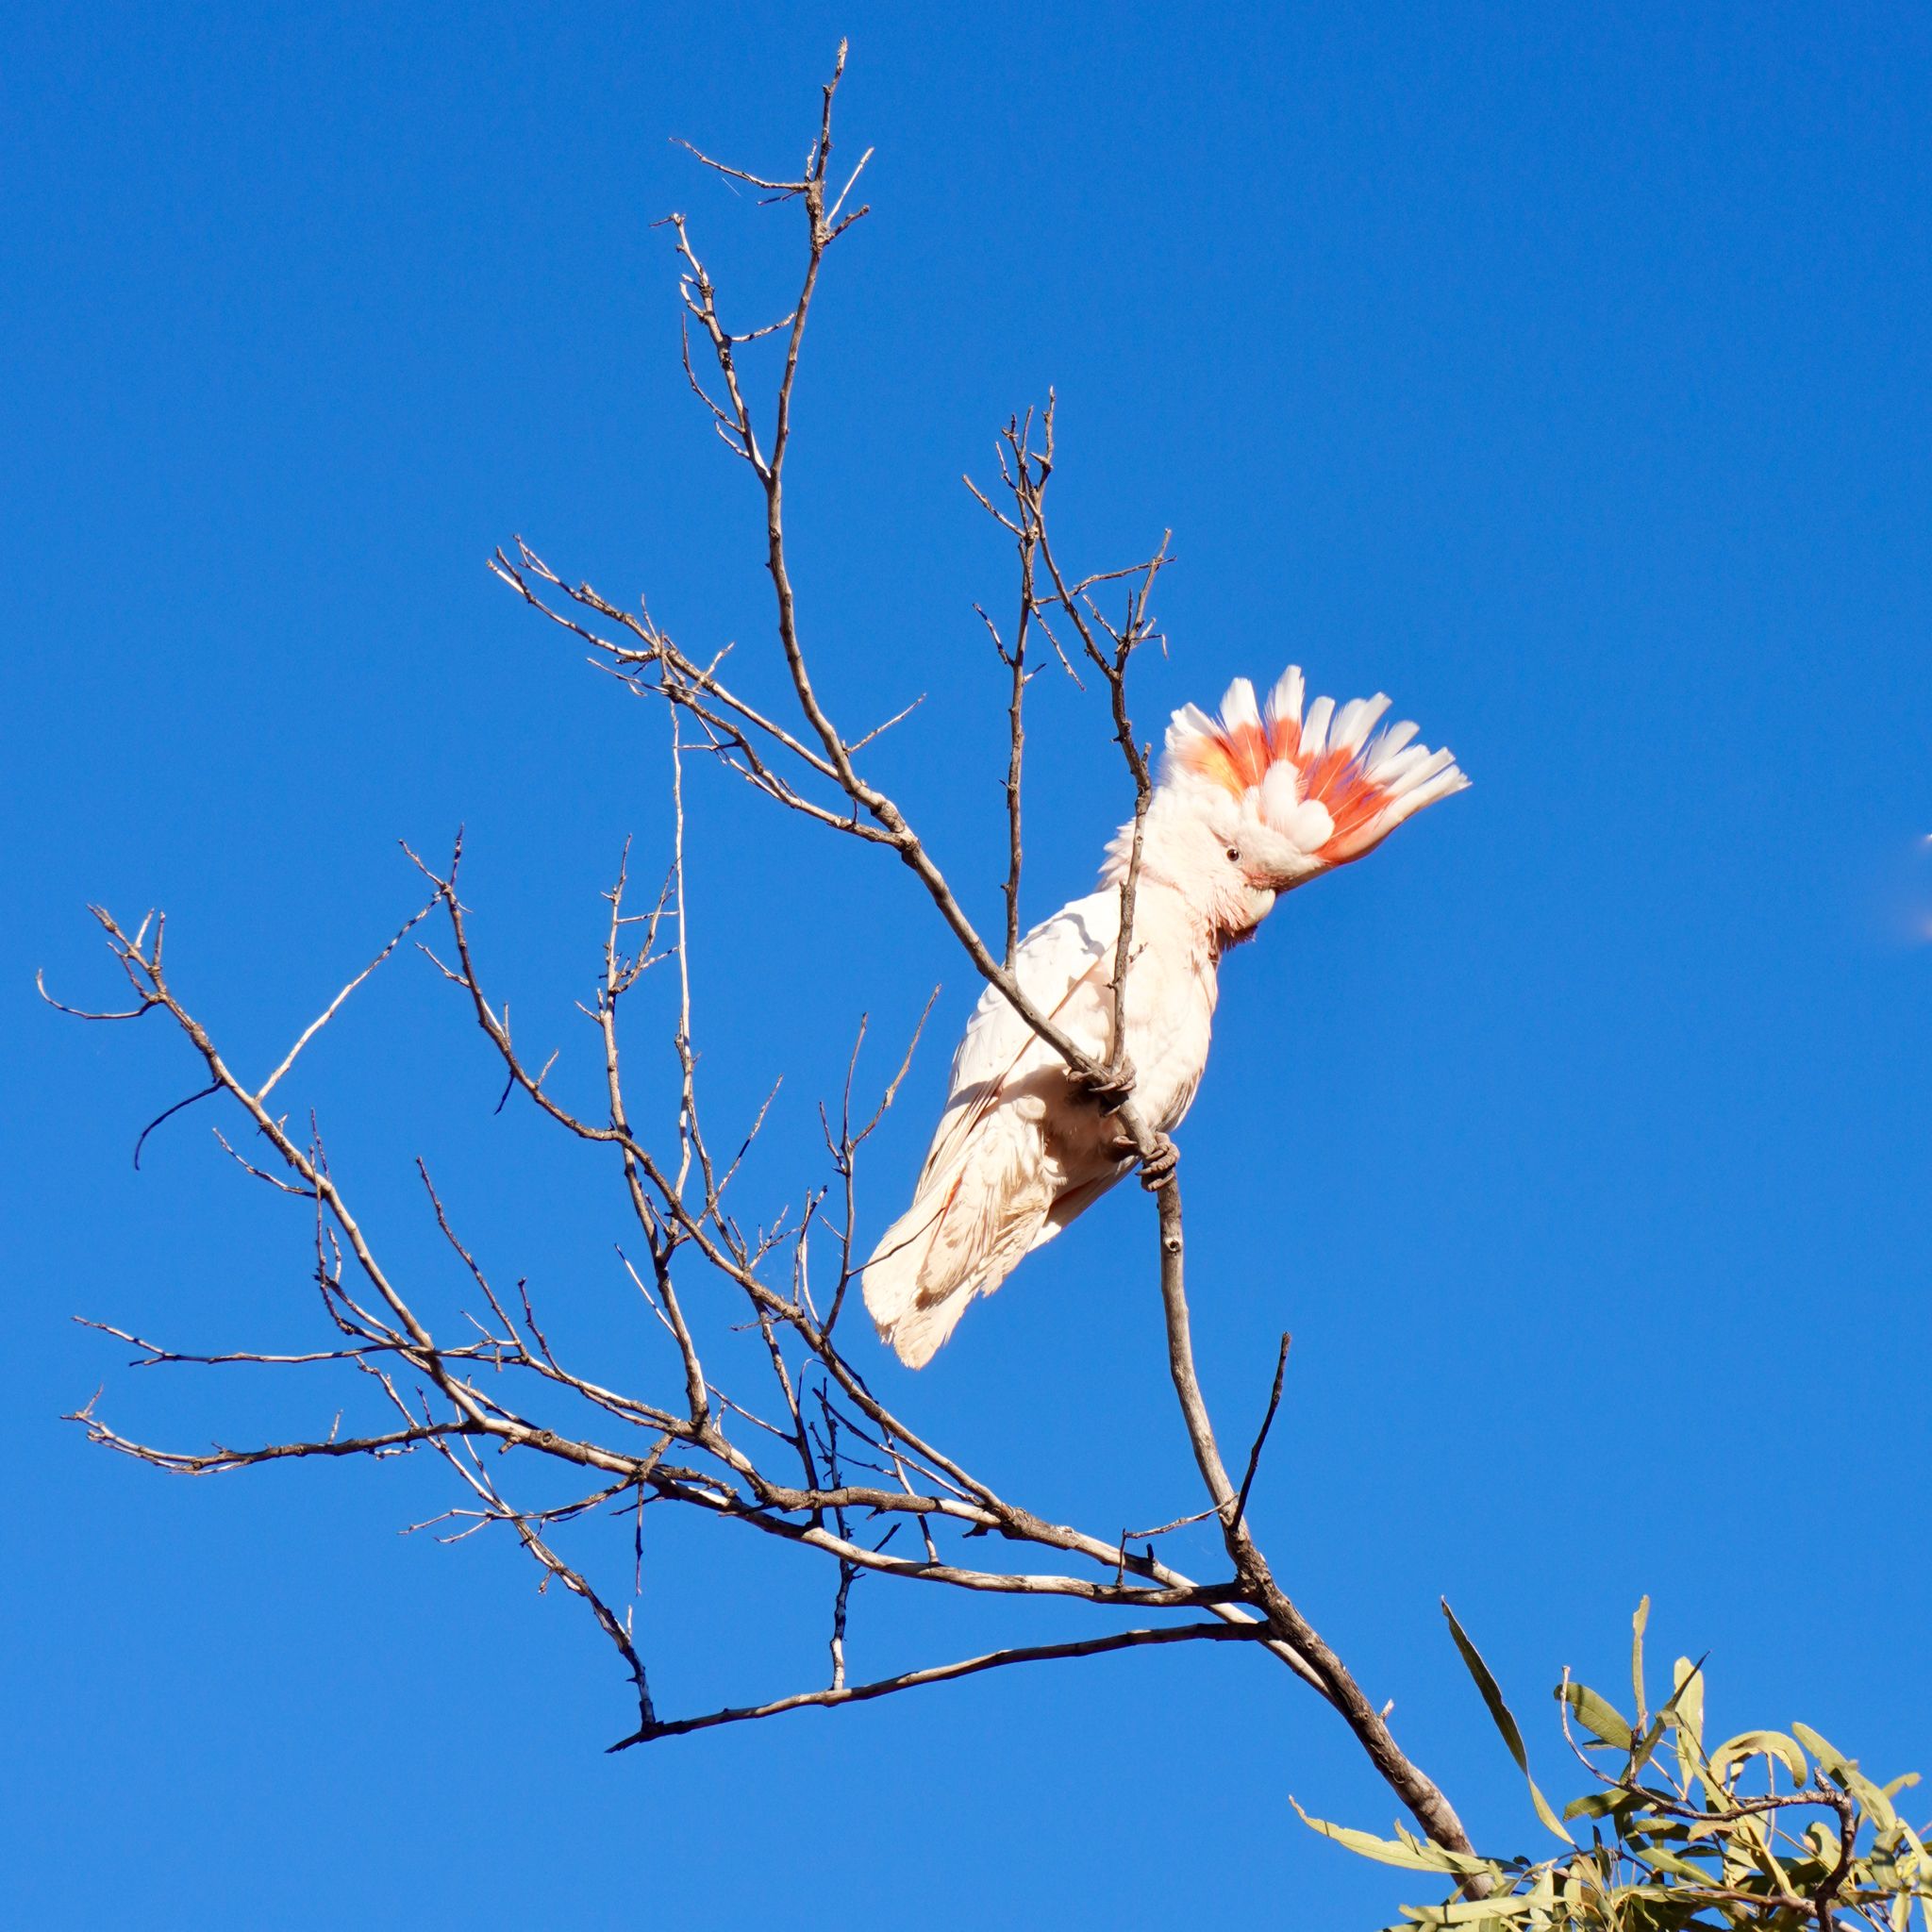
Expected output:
{"points": [[1247, 806]]}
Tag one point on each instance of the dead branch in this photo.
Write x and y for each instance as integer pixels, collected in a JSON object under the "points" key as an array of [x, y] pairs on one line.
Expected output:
{"points": [[698, 1271]]}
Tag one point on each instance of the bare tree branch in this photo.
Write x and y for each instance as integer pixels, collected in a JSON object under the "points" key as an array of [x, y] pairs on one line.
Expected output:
{"points": [[698, 1442], [946, 1674]]}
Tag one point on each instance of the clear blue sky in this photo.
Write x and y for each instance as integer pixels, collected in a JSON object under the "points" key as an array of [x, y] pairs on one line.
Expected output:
{"points": [[1563, 373]]}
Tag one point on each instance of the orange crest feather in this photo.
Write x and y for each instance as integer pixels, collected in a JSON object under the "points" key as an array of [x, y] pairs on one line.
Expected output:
{"points": [[1366, 787]]}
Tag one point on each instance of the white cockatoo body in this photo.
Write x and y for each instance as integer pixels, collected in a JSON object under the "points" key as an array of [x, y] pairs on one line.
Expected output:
{"points": [[1247, 807]]}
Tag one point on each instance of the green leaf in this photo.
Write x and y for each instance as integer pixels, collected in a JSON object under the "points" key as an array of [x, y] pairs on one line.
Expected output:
{"points": [[1477, 1912], [1679, 1868], [1596, 1715], [1486, 1683], [1878, 1805], [1827, 1755], [1638, 1623], [1656, 1830], [1387, 1851], [1759, 1744], [1844, 1772], [1823, 1842], [1640, 1751], [1687, 1698], [1596, 1803], [1504, 1720]]}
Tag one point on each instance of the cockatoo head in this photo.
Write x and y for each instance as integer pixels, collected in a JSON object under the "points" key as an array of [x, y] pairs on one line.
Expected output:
{"points": [[1260, 800]]}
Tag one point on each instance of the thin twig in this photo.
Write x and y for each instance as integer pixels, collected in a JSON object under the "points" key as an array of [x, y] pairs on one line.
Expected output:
{"points": [[946, 1674]]}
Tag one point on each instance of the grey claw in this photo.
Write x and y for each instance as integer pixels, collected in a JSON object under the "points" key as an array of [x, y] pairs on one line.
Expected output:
{"points": [[1110, 1090], [1158, 1169]]}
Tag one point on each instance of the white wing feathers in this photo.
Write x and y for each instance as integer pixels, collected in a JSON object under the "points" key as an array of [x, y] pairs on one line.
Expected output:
{"points": [[991, 1180], [999, 1047]]}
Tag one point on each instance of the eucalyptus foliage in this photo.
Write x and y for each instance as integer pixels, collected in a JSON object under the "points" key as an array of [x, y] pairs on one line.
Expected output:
{"points": [[1767, 1830]]}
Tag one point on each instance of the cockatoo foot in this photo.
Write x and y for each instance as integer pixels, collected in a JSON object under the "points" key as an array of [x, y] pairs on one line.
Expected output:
{"points": [[1109, 1091], [1158, 1169]]}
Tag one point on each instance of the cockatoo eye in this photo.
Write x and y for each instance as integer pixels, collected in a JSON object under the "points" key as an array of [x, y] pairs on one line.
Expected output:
{"points": [[1234, 855]]}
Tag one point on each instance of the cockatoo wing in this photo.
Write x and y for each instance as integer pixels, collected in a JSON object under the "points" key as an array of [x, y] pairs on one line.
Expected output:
{"points": [[1067, 955], [988, 1184]]}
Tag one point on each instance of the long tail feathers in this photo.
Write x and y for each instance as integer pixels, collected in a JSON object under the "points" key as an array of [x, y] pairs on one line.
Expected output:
{"points": [[964, 1233]]}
